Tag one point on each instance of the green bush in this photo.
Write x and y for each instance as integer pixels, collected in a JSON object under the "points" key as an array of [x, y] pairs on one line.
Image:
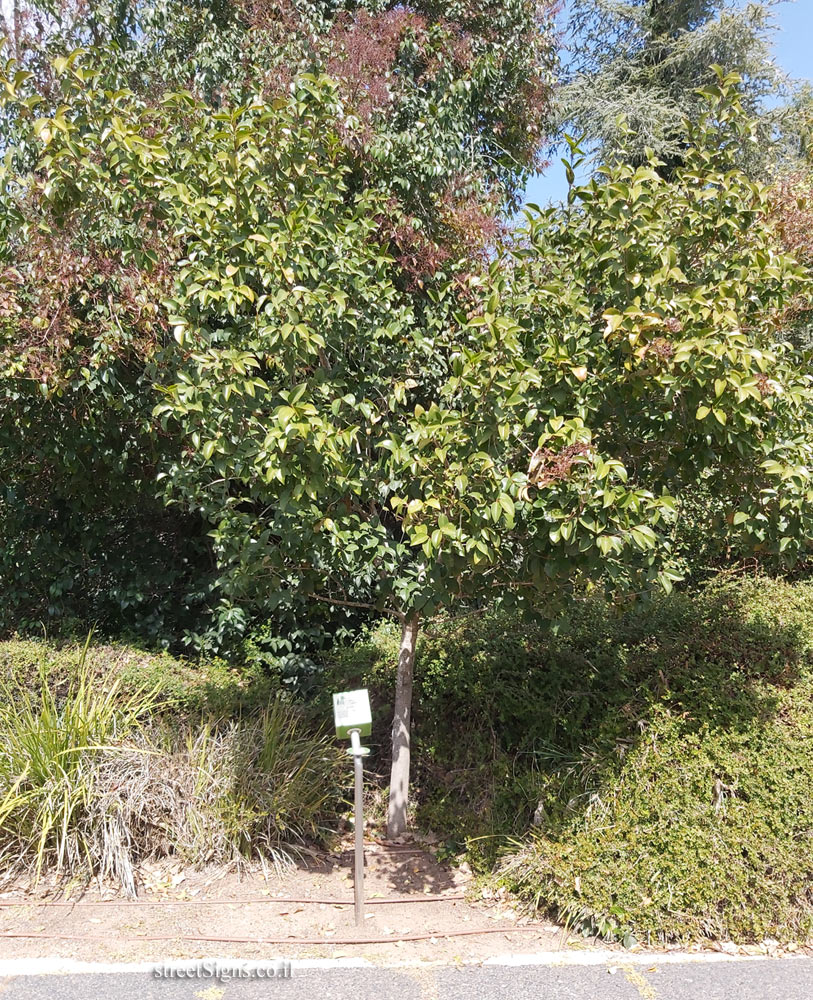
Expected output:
{"points": [[665, 753], [688, 811], [192, 686]]}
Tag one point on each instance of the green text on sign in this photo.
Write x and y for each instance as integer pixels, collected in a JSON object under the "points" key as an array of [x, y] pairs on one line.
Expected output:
{"points": [[351, 710]]}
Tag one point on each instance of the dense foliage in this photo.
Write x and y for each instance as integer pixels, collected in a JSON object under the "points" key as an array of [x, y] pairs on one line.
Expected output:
{"points": [[644, 772], [431, 119], [542, 438], [449, 99], [265, 339], [221, 308]]}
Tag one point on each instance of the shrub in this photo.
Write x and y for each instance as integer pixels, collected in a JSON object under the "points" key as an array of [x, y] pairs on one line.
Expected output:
{"points": [[688, 809], [688, 832], [644, 771]]}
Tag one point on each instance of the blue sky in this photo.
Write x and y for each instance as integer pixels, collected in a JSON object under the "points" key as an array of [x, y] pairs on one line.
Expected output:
{"points": [[793, 48]]}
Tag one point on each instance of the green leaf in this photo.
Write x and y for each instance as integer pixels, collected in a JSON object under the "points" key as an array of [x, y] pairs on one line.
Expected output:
{"points": [[644, 536], [507, 504]]}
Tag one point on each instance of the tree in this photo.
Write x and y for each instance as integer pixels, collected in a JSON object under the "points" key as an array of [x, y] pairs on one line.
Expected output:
{"points": [[536, 442], [501, 430], [298, 341], [454, 92], [439, 112], [635, 67]]}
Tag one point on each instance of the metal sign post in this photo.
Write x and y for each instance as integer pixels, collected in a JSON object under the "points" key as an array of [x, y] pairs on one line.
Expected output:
{"points": [[351, 711], [358, 752]]}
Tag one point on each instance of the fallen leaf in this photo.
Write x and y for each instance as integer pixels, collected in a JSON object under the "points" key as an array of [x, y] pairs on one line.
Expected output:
{"points": [[213, 993]]}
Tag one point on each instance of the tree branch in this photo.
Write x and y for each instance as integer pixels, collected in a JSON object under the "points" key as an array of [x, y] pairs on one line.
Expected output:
{"points": [[17, 25], [399, 615]]}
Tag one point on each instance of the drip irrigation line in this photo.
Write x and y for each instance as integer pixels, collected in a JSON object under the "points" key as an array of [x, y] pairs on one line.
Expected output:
{"points": [[427, 936], [392, 900]]}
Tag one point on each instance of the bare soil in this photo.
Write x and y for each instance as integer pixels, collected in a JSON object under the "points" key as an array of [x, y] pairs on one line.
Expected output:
{"points": [[184, 914]]}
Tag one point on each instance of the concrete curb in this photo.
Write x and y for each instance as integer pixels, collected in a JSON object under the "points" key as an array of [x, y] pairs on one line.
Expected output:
{"points": [[68, 966]]}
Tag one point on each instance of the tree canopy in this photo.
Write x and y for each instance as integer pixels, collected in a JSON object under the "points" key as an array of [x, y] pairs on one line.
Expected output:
{"points": [[436, 115], [447, 95]]}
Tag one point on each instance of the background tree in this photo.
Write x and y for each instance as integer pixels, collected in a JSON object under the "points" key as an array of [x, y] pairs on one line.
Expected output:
{"points": [[454, 92], [84, 532], [635, 66]]}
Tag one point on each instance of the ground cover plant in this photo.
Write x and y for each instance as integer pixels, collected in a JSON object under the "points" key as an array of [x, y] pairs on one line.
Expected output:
{"points": [[644, 773]]}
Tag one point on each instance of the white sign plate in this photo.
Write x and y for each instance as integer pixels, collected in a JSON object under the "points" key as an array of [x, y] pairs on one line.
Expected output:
{"points": [[351, 710]]}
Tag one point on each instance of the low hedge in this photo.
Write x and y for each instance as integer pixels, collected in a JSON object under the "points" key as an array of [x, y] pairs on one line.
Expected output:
{"points": [[193, 686], [646, 772]]}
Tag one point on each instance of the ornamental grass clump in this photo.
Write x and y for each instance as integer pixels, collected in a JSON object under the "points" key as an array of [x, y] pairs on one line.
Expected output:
{"points": [[51, 744], [97, 777]]}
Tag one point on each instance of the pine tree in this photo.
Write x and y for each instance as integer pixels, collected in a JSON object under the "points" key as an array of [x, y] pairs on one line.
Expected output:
{"points": [[635, 67]]}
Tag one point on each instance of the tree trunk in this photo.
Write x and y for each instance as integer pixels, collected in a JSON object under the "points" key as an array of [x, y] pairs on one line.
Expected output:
{"points": [[402, 718], [4, 30], [18, 30]]}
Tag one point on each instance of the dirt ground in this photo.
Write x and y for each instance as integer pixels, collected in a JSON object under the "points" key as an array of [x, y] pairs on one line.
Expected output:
{"points": [[192, 914]]}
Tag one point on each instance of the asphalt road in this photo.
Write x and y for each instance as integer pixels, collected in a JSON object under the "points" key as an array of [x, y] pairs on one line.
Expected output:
{"points": [[781, 979]]}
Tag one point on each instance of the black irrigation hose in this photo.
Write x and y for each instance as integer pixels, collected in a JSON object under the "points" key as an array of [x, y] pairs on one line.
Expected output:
{"points": [[228, 902], [438, 935]]}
